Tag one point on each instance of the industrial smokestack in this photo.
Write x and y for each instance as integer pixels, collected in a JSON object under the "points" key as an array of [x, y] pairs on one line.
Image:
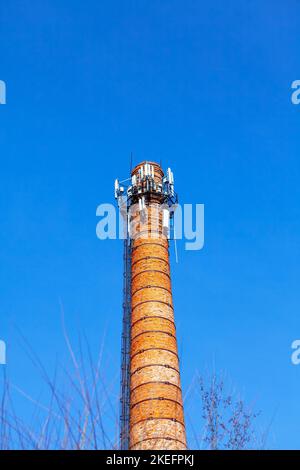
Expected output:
{"points": [[151, 409]]}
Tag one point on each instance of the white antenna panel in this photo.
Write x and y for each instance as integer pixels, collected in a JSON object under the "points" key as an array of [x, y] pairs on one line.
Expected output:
{"points": [[171, 177], [166, 218], [169, 174], [128, 225], [116, 188]]}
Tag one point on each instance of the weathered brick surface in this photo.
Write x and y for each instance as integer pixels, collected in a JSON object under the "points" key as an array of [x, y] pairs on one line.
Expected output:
{"points": [[156, 414], [153, 340], [148, 264], [158, 444], [156, 389], [154, 356], [152, 278], [157, 429], [152, 249], [153, 293], [143, 310], [153, 324], [157, 408], [158, 373]]}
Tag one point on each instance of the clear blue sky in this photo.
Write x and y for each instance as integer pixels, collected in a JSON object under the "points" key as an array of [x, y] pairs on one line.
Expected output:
{"points": [[204, 86]]}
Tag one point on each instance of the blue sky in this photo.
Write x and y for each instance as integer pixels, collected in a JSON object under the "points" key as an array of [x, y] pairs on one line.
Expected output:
{"points": [[206, 89]]}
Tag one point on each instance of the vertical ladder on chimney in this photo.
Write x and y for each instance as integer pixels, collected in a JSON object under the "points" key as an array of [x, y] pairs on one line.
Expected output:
{"points": [[125, 350]]}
